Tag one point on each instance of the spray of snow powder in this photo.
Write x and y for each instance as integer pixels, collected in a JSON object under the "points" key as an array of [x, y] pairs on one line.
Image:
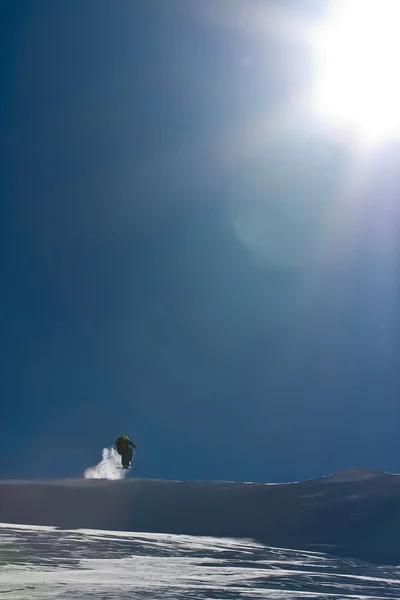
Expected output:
{"points": [[107, 468]]}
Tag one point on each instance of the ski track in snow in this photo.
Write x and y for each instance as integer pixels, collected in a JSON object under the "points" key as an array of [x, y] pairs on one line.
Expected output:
{"points": [[44, 562]]}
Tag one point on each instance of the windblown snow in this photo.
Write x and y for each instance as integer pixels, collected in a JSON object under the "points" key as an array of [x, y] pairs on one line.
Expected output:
{"points": [[42, 562], [170, 539]]}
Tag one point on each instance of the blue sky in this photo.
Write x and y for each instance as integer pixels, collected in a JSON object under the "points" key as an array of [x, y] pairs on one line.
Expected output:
{"points": [[176, 268]]}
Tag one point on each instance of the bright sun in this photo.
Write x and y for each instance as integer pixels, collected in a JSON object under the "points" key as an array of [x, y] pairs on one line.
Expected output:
{"points": [[357, 54]]}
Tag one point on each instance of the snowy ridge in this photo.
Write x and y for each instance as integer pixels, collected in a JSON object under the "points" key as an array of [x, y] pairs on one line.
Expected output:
{"points": [[354, 514]]}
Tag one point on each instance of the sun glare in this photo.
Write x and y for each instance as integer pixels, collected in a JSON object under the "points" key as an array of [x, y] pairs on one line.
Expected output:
{"points": [[357, 53]]}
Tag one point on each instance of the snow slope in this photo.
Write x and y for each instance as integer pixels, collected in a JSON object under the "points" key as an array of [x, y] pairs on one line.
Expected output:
{"points": [[353, 514], [39, 563]]}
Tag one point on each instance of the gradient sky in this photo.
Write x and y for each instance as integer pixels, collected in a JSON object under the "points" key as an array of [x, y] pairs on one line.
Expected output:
{"points": [[186, 255]]}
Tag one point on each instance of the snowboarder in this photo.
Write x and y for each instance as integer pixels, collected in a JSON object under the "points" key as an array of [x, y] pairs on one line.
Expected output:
{"points": [[124, 446]]}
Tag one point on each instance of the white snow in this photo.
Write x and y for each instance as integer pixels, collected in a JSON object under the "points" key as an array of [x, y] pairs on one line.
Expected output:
{"points": [[182, 531], [107, 468], [43, 562]]}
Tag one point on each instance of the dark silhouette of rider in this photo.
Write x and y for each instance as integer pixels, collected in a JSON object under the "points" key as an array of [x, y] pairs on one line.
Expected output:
{"points": [[124, 446]]}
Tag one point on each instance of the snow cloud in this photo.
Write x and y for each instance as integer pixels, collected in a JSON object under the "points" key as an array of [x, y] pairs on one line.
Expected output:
{"points": [[107, 468]]}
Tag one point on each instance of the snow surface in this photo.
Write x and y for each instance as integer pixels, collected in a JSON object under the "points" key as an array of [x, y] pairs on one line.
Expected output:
{"points": [[352, 514], [42, 562]]}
